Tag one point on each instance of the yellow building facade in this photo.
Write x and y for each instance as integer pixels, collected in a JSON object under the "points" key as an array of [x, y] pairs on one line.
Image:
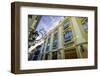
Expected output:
{"points": [[68, 40]]}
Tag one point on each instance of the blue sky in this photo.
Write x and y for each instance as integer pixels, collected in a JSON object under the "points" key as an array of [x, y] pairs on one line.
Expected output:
{"points": [[47, 22]]}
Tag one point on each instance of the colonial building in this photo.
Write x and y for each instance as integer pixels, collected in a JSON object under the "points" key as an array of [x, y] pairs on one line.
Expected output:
{"points": [[68, 40]]}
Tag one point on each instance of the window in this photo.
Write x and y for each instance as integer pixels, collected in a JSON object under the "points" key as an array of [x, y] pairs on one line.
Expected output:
{"points": [[55, 40], [36, 53], [67, 32], [84, 21], [67, 35], [35, 57], [46, 56], [54, 55], [43, 47], [42, 56], [85, 26], [48, 44], [47, 48], [66, 25]]}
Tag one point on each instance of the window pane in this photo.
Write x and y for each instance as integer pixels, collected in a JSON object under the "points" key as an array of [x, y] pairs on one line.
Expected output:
{"points": [[67, 32], [84, 22], [67, 35], [46, 56], [48, 44], [66, 25], [55, 40], [35, 57], [85, 26]]}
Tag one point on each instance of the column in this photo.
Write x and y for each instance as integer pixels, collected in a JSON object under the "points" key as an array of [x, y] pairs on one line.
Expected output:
{"points": [[51, 44], [78, 36], [60, 45], [45, 40]]}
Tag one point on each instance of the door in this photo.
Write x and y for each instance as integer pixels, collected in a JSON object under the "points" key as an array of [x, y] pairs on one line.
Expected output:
{"points": [[70, 54], [54, 55]]}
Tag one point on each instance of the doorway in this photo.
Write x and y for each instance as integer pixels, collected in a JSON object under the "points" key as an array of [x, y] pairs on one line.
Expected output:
{"points": [[70, 54]]}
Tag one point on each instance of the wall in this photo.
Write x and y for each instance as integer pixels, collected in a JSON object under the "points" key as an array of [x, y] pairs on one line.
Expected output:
{"points": [[5, 42]]}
